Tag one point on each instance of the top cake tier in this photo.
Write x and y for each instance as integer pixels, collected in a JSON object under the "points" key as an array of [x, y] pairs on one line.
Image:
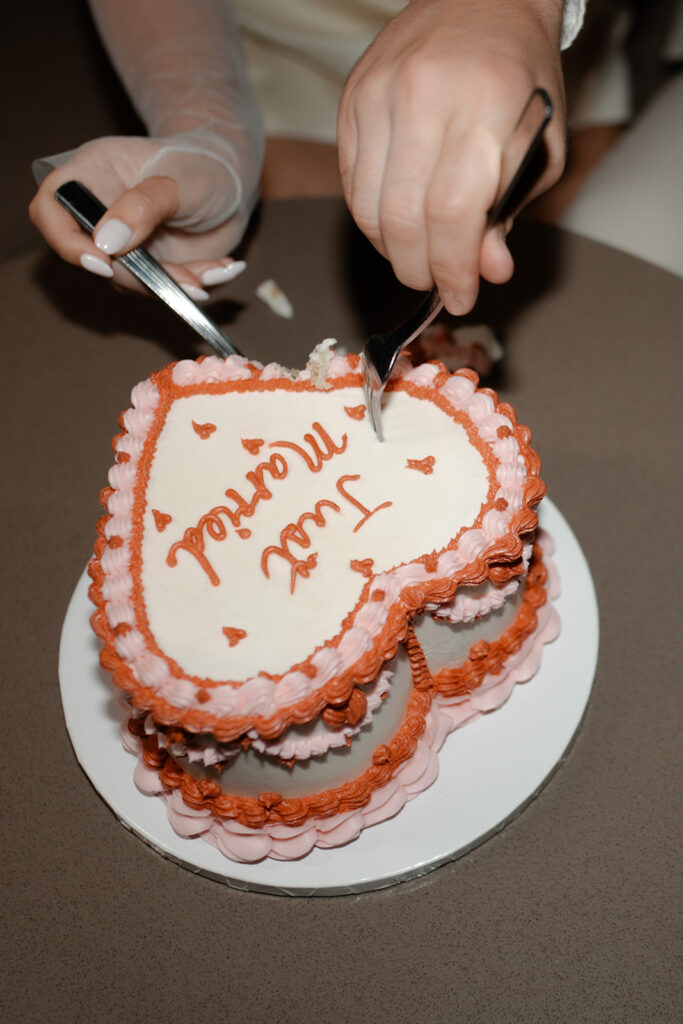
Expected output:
{"points": [[262, 553]]}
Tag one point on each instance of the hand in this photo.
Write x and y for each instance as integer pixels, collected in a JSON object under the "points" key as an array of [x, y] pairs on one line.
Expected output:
{"points": [[422, 122], [186, 205]]}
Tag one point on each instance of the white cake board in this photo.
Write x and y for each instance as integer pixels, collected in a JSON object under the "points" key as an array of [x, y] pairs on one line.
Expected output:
{"points": [[488, 771]]}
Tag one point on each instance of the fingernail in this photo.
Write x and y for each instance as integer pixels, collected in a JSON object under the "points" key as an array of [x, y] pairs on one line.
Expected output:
{"points": [[452, 304], [95, 265], [226, 272], [112, 236], [197, 294]]}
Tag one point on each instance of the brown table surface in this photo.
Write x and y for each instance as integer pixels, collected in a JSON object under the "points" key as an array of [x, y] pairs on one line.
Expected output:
{"points": [[567, 915]]}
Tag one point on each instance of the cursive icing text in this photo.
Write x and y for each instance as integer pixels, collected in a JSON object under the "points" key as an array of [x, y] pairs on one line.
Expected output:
{"points": [[215, 524], [295, 533]]}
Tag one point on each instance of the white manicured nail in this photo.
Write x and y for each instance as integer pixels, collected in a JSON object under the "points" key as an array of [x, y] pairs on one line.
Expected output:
{"points": [[226, 272], [95, 265], [196, 294], [112, 236]]}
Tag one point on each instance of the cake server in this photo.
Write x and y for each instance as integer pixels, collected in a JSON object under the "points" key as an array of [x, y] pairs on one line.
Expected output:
{"points": [[87, 210], [382, 350]]}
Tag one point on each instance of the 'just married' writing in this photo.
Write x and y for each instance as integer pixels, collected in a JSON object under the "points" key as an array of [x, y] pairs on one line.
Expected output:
{"points": [[317, 449]]}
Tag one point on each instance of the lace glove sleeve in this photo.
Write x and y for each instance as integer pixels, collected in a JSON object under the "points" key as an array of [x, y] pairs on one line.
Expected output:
{"points": [[182, 66]]}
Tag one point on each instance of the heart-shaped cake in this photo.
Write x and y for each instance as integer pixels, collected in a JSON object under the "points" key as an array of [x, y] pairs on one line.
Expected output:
{"points": [[295, 614]]}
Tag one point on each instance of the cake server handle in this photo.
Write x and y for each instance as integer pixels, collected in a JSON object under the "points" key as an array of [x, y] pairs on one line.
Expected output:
{"points": [[85, 208]]}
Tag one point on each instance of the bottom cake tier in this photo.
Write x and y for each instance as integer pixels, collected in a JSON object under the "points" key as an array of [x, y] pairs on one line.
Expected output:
{"points": [[250, 803]]}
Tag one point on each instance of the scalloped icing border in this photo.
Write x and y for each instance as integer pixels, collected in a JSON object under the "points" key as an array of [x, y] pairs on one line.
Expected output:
{"points": [[405, 767], [491, 549]]}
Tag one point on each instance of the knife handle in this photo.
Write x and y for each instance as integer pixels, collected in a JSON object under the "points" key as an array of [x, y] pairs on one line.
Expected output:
{"points": [[83, 206], [518, 153], [87, 210]]}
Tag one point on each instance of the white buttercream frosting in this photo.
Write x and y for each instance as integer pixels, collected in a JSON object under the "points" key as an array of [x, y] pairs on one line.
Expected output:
{"points": [[186, 611]]}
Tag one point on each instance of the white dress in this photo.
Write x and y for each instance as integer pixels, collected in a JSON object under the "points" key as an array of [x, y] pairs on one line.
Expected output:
{"points": [[300, 52], [633, 200]]}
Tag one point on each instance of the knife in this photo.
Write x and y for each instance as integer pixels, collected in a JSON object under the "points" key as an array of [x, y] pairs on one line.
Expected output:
{"points": [[87, 210]]}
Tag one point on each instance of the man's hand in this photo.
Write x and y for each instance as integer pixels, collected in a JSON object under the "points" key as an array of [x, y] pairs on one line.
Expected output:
{"points": [[422, 123]]}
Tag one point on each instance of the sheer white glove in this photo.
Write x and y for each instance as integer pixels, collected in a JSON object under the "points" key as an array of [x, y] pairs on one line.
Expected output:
{"points": [[188, 190]]}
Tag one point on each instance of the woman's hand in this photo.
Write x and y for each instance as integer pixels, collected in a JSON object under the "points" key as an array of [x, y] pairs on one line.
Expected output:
{"points": [[422, 123], [186, 206], [188, 189]]}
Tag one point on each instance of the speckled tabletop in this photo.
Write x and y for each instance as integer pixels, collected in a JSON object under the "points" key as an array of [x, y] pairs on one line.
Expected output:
{"points": [[567, 915]]}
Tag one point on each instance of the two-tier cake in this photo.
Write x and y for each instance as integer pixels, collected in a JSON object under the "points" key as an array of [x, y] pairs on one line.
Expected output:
{"points": [[296, 615]]}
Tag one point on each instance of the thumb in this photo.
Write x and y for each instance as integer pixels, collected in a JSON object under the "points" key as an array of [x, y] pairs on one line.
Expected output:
{"points": [[136, 214], [495, 260]]}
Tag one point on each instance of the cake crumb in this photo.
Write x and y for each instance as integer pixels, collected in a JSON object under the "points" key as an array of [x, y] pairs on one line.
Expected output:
{"points": [[288, 371], [318, 364], [274, 297]]}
